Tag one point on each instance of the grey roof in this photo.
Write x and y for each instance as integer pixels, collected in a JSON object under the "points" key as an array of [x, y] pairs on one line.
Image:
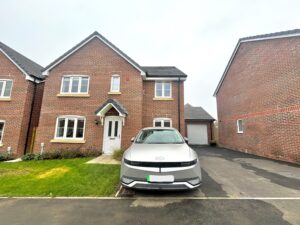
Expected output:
{"points": [[196, 113], [281, 34], [116, 104], [80, 43], [31, 68], [276, 34], [163, 71]]}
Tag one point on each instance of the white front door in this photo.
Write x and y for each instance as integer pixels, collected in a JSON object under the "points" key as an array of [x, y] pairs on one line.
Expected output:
{"points": [[197, 134], [112, 134]]}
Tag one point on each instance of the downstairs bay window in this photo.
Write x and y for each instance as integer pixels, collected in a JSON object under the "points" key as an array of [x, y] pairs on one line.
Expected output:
{"points": [[70, 128]]}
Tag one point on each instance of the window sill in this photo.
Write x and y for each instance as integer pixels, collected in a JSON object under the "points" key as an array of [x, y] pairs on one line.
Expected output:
{"points": [[74, 95], [114, 93], [240, 132], [72, 141], [5, 99], [163, 99], [1, 144]]}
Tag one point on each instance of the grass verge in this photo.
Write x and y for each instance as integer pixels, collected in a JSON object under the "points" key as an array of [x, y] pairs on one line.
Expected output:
{"points": [[66, 177]]}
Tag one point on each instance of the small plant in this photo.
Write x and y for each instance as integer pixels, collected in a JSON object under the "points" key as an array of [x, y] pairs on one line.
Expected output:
{"points": [[5, 157], [60, 154], [38, 156], [118, 154], [28, 156]]}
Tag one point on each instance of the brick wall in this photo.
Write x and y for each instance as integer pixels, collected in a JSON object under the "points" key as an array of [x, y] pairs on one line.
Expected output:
{"points": [[262, 87], [38, 98], [15, 112], [163, 108], [99, 62]]}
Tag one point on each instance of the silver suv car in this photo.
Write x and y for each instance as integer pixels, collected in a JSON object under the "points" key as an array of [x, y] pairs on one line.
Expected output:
{"points": [[159, 158]]}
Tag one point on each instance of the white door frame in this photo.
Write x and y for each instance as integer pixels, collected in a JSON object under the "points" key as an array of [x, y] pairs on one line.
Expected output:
{"points": [[111, 137]]}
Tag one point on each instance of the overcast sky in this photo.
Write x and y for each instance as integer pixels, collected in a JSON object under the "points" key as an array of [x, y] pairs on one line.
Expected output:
{"points": [[198, 37]]}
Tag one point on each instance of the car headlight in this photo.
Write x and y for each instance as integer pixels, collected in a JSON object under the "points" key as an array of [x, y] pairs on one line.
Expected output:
{"points": [[132, 163], [194, 181], [190, 163], [126, 180]]}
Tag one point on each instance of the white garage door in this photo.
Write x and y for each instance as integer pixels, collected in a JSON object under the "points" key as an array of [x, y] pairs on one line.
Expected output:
{"points": [[197, 134]]}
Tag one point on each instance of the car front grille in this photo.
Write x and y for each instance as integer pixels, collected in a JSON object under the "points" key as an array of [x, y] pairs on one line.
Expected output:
{"points": [[160, 164], [161, 186]]}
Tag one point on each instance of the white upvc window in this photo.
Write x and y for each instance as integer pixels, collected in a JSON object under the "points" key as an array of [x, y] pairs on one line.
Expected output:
{"points": [[2, 123], [115, 83], [163, 89], [162, 122], [240, 126], [5, 88], [70, 127], [75, 84]]}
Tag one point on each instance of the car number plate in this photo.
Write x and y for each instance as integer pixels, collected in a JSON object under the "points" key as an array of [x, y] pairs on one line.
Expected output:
{"points": [[155, 178]]}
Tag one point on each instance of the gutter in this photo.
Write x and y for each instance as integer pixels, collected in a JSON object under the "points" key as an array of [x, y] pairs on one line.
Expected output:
{"points": [[178, 105]]}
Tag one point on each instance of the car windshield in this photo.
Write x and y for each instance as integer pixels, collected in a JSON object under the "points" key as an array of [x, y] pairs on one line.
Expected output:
{"points": [[158, 136]]}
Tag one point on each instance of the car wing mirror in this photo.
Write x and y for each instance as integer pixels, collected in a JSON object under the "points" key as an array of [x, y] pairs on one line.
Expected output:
{"points": [[132, 139], [186, 140]]}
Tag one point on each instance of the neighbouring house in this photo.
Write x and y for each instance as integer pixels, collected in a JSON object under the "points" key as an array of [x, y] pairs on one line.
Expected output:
{"points": [[21, 91], [198, 125], [258, 97], [96, 97]]}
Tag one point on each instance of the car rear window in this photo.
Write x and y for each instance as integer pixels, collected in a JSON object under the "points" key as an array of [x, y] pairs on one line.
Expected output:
{"points": [[159, 137]]}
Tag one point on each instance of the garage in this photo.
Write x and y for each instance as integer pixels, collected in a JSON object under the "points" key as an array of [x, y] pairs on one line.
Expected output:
{"points": [[197, 134], [198, 124]]}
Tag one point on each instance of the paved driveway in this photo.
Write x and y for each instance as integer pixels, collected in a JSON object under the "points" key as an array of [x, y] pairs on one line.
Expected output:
{"points": [[229, 177], [229, 173]]}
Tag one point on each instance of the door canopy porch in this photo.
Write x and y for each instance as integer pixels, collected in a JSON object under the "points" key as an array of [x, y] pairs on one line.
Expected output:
{"points": [[107, 106]]}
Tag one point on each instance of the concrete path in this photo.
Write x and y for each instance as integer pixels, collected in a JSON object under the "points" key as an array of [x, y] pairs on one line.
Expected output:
{"points": [[104, 159], [14, 160]]}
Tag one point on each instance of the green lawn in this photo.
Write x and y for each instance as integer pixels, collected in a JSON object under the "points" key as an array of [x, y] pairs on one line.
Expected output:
{"points": [[66, 177]]}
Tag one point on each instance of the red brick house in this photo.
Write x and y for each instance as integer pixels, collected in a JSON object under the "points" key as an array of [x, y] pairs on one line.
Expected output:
{"points": [[96, 97], [258, 97], [21, 90]]}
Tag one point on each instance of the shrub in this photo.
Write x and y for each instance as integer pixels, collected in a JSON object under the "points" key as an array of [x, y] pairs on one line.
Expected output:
{"points": [[28, 156], [68, 153], [52, 155], [61, 154], [38, 157], [5, 157], [118, 154]]}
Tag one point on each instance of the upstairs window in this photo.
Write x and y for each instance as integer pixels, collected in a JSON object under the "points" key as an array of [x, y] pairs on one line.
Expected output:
{"points": [[1, 130], [70, 127], [240, 126], [5, 88], [162, 122], [115, 83], [163, 89], [75, 85]]}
